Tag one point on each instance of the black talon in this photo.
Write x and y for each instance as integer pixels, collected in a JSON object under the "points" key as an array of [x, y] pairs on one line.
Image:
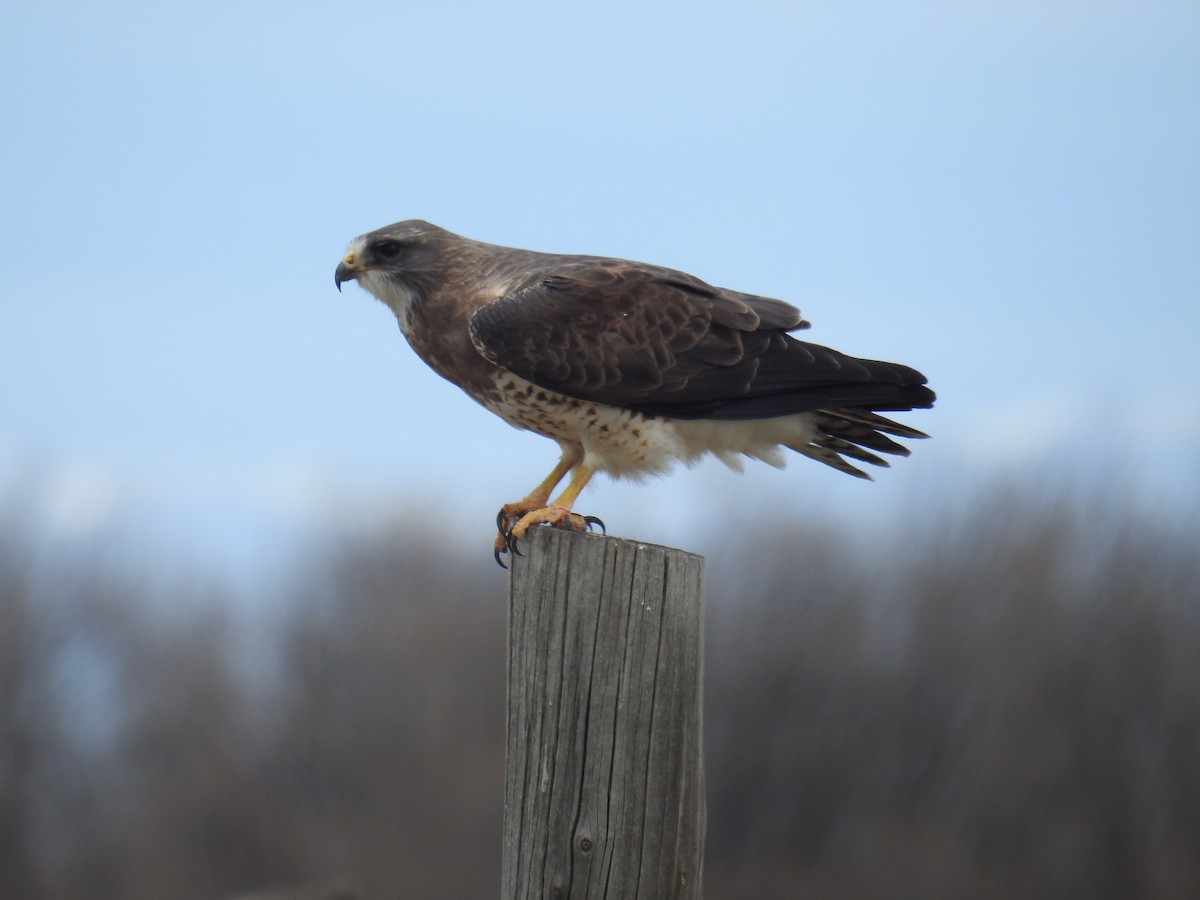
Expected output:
{"points": [[499, 561], [589, 521], [501, 521], [511, 540]]}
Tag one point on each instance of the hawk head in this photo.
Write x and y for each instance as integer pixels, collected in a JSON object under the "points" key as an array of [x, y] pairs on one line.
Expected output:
{"points": [[395, 263]]}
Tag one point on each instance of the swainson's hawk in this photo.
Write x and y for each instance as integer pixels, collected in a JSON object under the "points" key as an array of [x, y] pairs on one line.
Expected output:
{"points": [[628, 366]]}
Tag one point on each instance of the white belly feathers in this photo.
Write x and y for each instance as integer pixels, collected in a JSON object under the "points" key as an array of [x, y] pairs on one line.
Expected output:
{"points": [[628, 444]]}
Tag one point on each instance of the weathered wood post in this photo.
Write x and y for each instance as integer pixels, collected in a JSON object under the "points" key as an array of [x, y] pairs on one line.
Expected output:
{"points": [[604, 779]]}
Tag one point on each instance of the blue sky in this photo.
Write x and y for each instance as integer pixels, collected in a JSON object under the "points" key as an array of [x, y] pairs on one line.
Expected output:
{"points": [[1007, 198]]}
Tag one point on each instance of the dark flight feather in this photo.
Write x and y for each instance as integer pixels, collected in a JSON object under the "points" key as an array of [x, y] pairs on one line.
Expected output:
{"points": [[664, 343]]}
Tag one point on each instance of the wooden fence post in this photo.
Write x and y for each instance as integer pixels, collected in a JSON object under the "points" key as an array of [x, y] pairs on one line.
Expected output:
{"points": [[604, 777]]}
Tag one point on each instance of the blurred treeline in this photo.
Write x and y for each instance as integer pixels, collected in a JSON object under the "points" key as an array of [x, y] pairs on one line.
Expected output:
{"points": [[991, 699]]}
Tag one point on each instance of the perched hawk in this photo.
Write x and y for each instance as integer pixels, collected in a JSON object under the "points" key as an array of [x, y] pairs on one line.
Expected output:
{"points": [[629, 367]]}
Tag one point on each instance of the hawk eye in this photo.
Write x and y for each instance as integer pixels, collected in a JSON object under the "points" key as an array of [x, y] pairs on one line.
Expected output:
{"points": [[387, 249]]}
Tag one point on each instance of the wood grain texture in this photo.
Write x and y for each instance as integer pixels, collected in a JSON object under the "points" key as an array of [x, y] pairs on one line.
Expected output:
{"points": [[604, 785]]}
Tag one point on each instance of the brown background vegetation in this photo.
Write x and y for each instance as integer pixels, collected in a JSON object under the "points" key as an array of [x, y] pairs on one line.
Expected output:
{"points": [[1001, 700]]}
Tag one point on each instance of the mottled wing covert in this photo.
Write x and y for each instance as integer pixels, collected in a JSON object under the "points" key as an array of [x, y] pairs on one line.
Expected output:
{"points": [[662, 342]]}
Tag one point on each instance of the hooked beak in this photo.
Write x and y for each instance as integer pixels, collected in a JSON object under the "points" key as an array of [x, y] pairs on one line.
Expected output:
{"points": [[347, 270]]}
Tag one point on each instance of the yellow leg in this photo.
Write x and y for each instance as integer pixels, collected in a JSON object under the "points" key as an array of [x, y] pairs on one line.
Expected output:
{"points": [[535, 510], [537, 498], [558, 511], [571, 492]]}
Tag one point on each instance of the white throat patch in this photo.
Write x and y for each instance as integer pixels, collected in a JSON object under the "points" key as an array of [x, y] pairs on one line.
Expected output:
{"points": [[398, 297]]}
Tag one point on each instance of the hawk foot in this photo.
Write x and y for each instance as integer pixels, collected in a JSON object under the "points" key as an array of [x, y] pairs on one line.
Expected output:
{"points": [[512, 523]]}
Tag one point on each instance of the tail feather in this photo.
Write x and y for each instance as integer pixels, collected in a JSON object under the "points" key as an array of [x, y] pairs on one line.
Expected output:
{"points": [[872, 421], [846, 448], [854, 433]]}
